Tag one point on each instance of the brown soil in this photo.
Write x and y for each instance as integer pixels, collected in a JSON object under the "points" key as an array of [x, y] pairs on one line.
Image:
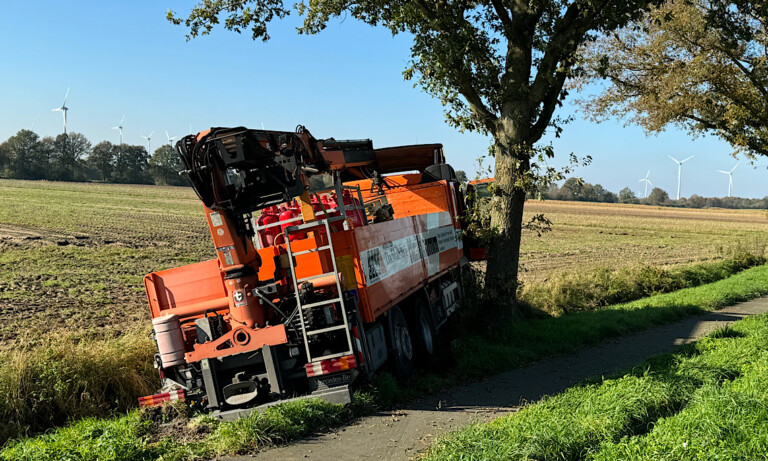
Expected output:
{"points": [[17, 236], [173, 421], [407, 431]]}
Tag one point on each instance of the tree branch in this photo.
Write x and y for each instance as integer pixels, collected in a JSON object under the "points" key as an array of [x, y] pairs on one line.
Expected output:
{"points": [[503, 15], [760, 86], [476, 102], [462, 73], [573, 25], [549, 104]]}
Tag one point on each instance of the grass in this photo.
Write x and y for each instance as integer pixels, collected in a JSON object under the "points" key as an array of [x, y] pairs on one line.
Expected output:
{"points": [[72, 377], [706, 402], [134, 436], [599, 287], [519, 344], [522, 342]]}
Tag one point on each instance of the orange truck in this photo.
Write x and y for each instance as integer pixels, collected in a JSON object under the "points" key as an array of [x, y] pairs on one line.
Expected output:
{"points": [[333, 259]]}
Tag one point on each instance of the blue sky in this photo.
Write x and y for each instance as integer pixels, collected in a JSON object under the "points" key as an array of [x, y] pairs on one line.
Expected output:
{"points": [[125, 58]]}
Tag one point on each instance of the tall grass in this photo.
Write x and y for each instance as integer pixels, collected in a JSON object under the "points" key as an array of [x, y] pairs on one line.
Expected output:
{"points": [[71, 377], [133, 437], [592, 289]]}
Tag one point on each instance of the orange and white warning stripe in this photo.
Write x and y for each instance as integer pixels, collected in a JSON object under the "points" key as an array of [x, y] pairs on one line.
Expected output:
{"points": [[324, 367]]}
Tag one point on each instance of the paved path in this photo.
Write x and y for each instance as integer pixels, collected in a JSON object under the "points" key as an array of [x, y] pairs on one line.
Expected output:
{"points": [[405, 432]]}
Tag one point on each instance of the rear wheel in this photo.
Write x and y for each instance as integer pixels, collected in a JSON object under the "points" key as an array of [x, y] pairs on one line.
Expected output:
{"points": [[402, 346], [424, 333]]}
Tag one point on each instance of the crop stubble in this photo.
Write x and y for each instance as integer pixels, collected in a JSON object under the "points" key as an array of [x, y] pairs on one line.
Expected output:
{"points": [[72, 255]]}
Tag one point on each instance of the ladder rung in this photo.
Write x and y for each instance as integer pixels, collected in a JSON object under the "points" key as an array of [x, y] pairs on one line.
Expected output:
{"points": [[325, 330], [313, 250], [321, 303], [314, 277]]}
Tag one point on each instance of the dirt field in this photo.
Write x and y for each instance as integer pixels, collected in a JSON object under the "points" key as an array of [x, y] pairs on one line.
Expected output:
{"points": [[72, 255], [588, 235]]}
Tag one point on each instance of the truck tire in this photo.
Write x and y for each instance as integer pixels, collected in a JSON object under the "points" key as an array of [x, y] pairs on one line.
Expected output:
{"points": [[402, 346], [423, 331]]}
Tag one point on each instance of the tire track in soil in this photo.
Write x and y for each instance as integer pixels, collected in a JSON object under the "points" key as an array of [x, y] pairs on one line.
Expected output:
{"points": [[407, 431]]}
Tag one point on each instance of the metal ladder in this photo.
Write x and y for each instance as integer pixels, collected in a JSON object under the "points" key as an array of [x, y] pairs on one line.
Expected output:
{"points": [[323, 222]]}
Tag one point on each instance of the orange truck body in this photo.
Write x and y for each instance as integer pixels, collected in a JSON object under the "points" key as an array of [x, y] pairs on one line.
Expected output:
{"points": [[406, 262], [383, 261]]}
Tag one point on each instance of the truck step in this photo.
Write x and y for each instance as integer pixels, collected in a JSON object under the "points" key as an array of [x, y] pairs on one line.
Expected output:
{"points": [[321, 303], [313, 250], [313, 277], [325, 330]]}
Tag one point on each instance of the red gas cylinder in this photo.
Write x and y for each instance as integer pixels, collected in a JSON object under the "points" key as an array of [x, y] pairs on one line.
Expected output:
{"points": [[330, 203], [292, 211], [356, 216], [267, 236]]}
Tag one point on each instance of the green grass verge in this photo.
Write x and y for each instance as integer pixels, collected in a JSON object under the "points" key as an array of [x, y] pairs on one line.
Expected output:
{"points": [[520, 343], [135, 437], [708, 401]]}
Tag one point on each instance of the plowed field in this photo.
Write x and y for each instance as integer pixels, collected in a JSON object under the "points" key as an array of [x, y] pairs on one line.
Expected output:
{"points": [[72, 255]]}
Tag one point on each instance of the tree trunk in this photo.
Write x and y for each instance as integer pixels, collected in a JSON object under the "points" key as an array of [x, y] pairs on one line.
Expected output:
{"points": [[512, 162]]}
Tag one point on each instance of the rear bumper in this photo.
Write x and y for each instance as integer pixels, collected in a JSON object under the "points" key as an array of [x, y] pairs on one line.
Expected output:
{"points": [[341, 395]]}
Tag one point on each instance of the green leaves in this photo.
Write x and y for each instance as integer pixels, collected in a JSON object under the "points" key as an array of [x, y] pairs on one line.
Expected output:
{"points": [[238, 16], [699, 65]]}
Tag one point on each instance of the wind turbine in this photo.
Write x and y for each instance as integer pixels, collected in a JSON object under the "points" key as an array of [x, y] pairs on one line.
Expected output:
{"points": [[63, 109], [149, 142], [730, 177], [679, 171], [169, 138], [646, 181], [120, 128]]}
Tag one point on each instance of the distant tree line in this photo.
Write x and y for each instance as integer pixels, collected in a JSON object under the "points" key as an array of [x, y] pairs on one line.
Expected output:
{"points": [[71, 157], [577, 190]]}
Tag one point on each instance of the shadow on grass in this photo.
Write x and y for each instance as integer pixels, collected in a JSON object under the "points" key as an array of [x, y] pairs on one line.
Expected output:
{"points": [[625, 404], [565, 342], [524, 342]]}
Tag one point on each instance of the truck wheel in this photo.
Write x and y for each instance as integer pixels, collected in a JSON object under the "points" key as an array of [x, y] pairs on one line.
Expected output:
{"points": [[402, 346], [424, 332]]}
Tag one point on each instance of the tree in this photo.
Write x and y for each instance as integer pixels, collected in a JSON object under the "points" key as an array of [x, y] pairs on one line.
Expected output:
{"points": [[698, 64], [627, 196], [164, 166], [657, 197], [66, 151], [25, 156], [4, 159], [696, 201], [102, 159], [131, 165], [461, 176], [499, 67], [572, 189]]}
